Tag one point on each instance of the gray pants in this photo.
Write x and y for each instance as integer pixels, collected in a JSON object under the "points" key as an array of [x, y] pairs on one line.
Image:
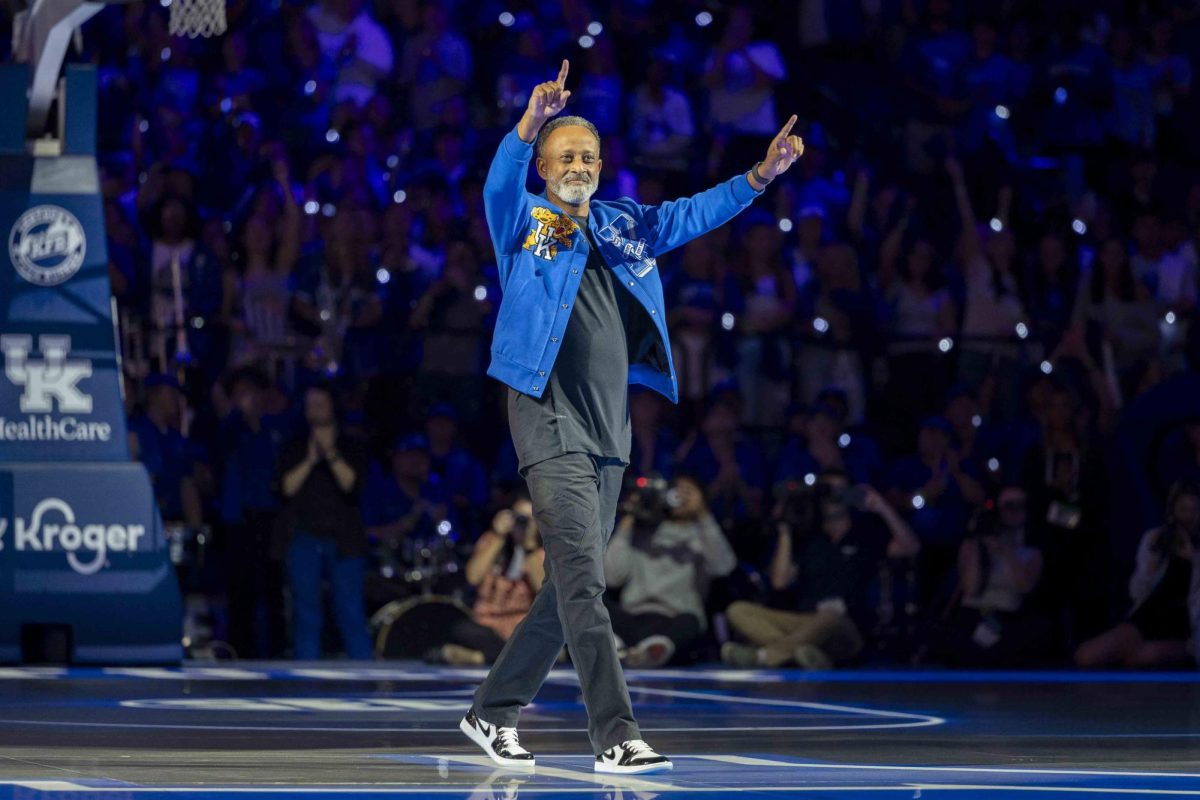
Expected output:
{"points": [[575, 503]]}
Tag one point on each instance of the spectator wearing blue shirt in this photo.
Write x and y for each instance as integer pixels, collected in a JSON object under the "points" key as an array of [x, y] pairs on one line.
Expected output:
{"points": [[652, 447], [250, 443], [730, 465], [155, 440], [932, 65], [939, 488], [462, 477], [977, 440], [994, 85], [1074, 88], [403, 507]]}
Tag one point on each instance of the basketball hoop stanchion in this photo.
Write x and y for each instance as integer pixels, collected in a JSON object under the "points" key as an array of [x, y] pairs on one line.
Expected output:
{"points": [[196, 18], [85, 569]]}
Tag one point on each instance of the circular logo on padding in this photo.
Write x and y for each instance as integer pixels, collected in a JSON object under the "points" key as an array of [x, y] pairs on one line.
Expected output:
{"points": [[47, 245]]}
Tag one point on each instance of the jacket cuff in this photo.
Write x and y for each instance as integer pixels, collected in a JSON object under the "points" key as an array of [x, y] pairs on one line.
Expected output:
{"points": [[743, 192], [515, 147]]}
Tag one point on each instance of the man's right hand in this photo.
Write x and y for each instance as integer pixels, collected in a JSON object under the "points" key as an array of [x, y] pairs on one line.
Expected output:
{"points": [[546, 100]]}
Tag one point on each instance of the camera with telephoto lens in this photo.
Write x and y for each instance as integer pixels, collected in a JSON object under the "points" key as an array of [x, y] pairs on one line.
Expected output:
{"points": [[803, 505], [652, 500]]}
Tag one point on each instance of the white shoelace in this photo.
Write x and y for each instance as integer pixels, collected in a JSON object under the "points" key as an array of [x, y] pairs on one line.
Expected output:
{"points": [[637, 747], [507, 739]]}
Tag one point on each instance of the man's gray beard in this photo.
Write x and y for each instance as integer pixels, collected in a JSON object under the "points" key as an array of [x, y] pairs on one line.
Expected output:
{"points": [[573, 193]]}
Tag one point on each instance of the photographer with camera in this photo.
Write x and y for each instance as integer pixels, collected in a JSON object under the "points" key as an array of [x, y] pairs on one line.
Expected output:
{"points": [[506, 568], [1163, 627], [991, 623], [666, 549], [830, 538]]}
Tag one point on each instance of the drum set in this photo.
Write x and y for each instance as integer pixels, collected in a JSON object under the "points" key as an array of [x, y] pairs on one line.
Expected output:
{"points": [[417, 588]]}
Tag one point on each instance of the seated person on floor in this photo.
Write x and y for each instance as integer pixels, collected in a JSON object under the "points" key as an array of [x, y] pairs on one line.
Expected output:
{"points": [[991, 624], [830, 539], [507, 570], [1163, 627], [666, 549]]}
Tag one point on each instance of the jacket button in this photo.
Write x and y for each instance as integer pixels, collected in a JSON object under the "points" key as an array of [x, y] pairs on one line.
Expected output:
{"points": [[535, 388], [541, 372], [653, 311], [631, 283], [574, 272], [564, 305], [554, 338]]}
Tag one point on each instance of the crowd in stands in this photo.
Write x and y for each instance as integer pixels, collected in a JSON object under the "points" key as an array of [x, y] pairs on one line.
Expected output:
{"points": [[936, 384]]}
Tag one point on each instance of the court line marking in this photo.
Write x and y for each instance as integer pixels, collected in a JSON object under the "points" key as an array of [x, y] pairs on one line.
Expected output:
{"points": [[252, 670], [447, 730], [409, 789], [914, 720], [768, 762], [625, 782], [910, 720]]}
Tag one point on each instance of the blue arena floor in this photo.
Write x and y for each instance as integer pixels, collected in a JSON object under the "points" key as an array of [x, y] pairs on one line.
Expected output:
{"points": [[336, 729]]}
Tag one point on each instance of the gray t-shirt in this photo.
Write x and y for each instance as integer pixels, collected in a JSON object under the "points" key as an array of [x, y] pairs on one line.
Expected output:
{"points": [[585, 407]]}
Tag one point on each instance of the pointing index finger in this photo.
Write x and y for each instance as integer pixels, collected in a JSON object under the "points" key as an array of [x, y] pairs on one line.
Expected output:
{"points": [[787, 127], [562, 73]]}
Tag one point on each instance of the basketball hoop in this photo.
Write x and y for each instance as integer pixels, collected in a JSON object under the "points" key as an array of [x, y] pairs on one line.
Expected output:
{"points": [[194, 18]]}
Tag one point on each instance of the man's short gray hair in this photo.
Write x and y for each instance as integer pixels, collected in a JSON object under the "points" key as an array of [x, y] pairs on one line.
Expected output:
{"points": [[562, 122]]}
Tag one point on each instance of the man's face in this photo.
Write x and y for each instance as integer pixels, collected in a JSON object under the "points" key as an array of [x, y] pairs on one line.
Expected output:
{"points": [[318, 408], [167, 405], [411, 465], [570, 163]]}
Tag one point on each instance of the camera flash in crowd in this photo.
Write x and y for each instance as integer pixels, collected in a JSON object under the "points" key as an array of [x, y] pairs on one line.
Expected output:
{"points": [[332, 136], [844, 440], [507, 19], [1170, 318], [976, 421], [993, 464], [586, 41], [704, 19], [1022, 330], [820, 324], [1002, 112], [918, 502], [810, 479], [727, 321], [312, 207], [399, 196], [1079, 226], [595, 28], [1047, 367], [443, 528], [996, 224], [382, 275], [785, 225], [945, 344], [481, 293]]}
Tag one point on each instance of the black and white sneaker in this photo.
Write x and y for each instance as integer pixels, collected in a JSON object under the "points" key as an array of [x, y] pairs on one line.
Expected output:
{"points": [[500, 744], [630, 757]]}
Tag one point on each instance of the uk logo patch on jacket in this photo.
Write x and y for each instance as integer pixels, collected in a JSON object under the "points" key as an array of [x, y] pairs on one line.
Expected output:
{"points": [[552, 229], [620, 233]]}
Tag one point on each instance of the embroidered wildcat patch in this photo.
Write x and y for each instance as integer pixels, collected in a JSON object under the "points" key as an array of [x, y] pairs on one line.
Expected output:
{"points": [[552, 229]]}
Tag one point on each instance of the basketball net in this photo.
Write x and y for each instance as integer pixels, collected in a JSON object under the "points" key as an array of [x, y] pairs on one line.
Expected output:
{"points": [[194, 18]]}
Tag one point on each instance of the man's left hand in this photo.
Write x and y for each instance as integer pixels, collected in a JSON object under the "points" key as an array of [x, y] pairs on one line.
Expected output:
{"points": [[785, 148]]}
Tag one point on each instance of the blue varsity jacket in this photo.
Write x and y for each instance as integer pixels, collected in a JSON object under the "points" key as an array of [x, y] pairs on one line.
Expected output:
{"points": [[541, 253]]}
